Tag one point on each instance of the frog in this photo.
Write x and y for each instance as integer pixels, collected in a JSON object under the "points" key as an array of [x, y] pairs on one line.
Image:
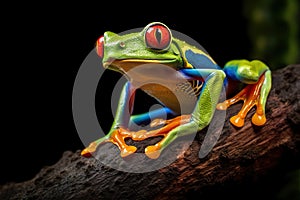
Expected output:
{"points": [[155, 45]]}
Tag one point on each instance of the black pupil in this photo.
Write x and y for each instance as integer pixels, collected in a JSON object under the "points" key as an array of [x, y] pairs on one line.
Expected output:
{"points": [[158, 35]]}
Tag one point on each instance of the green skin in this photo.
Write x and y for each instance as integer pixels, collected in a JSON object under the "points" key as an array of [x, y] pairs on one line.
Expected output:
{"points": [[124, 52]]}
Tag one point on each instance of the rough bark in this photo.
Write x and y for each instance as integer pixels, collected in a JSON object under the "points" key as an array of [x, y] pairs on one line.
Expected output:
{"points": [[242, 158]]}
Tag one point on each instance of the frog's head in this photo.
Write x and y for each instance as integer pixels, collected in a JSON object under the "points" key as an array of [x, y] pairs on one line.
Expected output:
{"points": [[152, 45]]}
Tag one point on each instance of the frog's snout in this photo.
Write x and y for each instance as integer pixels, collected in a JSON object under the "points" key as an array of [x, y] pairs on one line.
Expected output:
{"points": [[100, 46]]}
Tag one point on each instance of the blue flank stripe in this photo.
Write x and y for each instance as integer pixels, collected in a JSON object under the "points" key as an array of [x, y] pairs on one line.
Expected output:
{"points": [[231, 71], [200, 61]]}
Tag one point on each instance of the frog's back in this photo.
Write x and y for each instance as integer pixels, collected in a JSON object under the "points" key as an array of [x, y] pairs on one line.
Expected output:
{"points": [[196, 57]]}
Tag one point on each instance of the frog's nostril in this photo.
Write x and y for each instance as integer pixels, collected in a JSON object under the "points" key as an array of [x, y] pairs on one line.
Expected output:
{"points": [[100, 46]]}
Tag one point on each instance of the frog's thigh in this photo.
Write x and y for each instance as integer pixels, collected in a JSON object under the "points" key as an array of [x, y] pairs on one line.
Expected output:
{"points": [[245, 71], [201, 115]]}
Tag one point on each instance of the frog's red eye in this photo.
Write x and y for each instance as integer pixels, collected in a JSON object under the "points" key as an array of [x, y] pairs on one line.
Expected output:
{"points": [[158, 36], [100, 46]]}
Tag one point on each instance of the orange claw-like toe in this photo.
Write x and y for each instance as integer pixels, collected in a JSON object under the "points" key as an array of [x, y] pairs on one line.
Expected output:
{"points": [[153, 152], [87, 152], [259, 120], [128, 151], [222, 106], [237, 121]]}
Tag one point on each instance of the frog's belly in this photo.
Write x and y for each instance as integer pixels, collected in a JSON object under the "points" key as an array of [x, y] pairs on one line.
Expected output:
{"points": [[179, 99], [166, 85]]}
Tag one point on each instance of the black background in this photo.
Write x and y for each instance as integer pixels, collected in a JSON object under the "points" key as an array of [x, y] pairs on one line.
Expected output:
{"points": [[44, 45]]}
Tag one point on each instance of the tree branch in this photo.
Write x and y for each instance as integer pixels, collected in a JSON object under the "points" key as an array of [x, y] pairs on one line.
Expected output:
{"points": [[241, 156]]}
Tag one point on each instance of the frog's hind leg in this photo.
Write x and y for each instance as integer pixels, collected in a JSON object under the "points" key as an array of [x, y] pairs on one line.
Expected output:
{"points": [[257, 76], [259, 117], [168, 125], [201, 116], [118, 136]]}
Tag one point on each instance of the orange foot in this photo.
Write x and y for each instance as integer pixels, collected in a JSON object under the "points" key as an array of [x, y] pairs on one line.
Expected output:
{"points": [[250, 95], [154, 151], [163, 131], [117, 137]]}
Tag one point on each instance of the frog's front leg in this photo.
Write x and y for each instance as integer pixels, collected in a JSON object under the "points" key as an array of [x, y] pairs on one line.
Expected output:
{"points": [[257, 76], [200, 117], [124, 121], [119, 131]]}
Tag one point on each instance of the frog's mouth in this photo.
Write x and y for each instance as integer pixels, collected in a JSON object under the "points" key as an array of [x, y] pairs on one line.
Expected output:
{"points": [[124, 65]]}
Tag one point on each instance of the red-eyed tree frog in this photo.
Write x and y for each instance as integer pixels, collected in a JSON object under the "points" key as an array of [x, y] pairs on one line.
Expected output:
{"points": [[155, 45]]}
